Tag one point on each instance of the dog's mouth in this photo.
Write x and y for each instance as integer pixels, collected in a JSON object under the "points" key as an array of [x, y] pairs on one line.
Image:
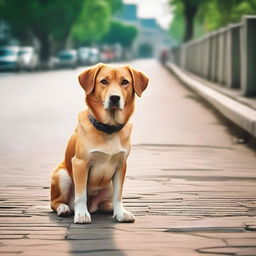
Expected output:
{"points": [[114, 107]]}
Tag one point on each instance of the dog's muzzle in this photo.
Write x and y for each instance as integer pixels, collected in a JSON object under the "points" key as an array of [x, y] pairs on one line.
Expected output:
{"points": [[114, 102]]}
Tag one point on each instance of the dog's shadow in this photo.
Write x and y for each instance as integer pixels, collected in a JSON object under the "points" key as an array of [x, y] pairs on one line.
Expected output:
{"points": [[96, 238]]}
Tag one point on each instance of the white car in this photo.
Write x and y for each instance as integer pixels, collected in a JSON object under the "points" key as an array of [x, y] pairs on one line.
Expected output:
{"points": [[53, 62], [9, 58], [83, 54], [68, 58], [28, 58], [94, 56]]}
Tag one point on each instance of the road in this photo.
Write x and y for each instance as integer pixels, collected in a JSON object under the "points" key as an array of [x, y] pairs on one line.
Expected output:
{"points": [[189, 184]]}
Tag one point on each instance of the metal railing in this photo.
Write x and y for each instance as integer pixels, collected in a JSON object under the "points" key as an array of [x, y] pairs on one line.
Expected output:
{"points": [[226, 56]]}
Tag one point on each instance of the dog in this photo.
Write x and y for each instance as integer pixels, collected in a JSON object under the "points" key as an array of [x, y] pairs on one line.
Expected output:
{"points": [[91, 177]]}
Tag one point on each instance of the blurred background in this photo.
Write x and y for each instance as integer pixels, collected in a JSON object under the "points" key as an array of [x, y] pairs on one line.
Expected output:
{"points": [[69, 33], [50, 34]]}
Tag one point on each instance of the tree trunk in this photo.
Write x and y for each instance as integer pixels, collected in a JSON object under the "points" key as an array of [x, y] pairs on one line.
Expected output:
{"points": [[45, 48], [189, 13], [45, 51]]}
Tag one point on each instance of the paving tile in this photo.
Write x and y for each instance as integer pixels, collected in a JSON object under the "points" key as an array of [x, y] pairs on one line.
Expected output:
{"points": [[191, 188]]}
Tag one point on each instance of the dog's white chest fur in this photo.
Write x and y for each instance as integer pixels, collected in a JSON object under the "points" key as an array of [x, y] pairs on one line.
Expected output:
{"points": [[104, 160]]}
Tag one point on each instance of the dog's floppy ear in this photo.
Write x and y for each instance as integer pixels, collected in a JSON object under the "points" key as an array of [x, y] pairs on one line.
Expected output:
{"points": [[87, 78], [140, 81]]}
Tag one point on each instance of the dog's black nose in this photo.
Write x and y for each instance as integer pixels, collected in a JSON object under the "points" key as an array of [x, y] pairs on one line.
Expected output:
{"points": [[114, 99]]}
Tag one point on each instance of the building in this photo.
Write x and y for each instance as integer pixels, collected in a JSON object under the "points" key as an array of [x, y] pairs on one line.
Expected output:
{"points": [[151, 40]]}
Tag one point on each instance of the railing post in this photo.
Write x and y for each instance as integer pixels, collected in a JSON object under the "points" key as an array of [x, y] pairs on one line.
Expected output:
{"points": [[183, 56], [214, 56], [233, 56], [188, 52], [201, 51], [207, 58], [248, 56], [225, 57], [221, 56]]}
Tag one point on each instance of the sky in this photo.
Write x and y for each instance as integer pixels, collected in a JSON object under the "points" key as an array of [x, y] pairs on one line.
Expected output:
{"points": [[158, 9]]}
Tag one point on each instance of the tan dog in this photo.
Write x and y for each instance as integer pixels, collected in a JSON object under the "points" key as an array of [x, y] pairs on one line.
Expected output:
{"points": [[92, 175]]}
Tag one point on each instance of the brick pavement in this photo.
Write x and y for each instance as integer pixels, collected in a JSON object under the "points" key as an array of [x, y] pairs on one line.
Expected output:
{"points": [[190, 186]]}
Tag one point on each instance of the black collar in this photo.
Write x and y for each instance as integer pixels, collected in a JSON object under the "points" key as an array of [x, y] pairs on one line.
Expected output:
{"points": [[109, 129]]}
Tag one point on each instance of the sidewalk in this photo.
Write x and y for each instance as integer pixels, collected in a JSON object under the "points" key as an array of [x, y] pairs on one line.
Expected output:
{"points": [[191, 187], [236, 108]]}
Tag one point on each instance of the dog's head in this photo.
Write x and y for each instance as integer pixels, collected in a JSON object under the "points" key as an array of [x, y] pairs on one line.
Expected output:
{"points": [[110, 91]]}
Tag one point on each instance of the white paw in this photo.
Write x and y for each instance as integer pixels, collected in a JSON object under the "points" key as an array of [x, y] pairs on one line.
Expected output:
{"points": [[122, 215], [82, 217], [63, 210]]}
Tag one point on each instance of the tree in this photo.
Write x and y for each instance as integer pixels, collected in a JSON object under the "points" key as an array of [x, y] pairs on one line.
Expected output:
{"points": [[86, 30], [189, 9], [220, 13], [44, 19], [115, 5], [177, 26], [120, 33], [195, 17], [94, 21], [56, 20]]}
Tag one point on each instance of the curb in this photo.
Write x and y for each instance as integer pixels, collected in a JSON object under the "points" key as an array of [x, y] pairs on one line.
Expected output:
{"points": [[238, 113]]}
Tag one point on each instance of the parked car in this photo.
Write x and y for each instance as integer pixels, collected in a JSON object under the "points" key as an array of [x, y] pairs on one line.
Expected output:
{"points": [[106, 55], [9, 58], [94, 56], [68, 58], [28, 58], [53, 62], [83, 54], [118, 52]]}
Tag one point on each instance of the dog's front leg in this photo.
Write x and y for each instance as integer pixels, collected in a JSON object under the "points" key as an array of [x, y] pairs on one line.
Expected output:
{"points": [[120, 213], [80, 174]]}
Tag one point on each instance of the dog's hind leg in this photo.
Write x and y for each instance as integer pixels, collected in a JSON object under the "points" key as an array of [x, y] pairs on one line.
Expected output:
{"points": [[102, 201], [106, 206], [61, 192]]}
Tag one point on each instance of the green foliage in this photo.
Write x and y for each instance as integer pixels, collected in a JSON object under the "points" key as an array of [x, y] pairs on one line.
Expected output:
{"points": [[177, 26], [42, 16], [190, 3], [52, 22], [120, 33], [115, 5], [93, 22], [220, 13], [46, 20], [183, 23], [210, 15]]}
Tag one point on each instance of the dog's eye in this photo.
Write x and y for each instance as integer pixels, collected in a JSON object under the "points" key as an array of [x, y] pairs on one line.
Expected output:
{"points": [[124, 82], [104, 81]]}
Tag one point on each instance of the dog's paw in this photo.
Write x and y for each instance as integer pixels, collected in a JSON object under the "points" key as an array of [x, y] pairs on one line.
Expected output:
{"points": [[63, 210], [82, 218], [122, 215]]}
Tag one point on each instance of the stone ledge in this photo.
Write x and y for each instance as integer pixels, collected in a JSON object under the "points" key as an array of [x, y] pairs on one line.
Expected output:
{"points": [[238, 113]]}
